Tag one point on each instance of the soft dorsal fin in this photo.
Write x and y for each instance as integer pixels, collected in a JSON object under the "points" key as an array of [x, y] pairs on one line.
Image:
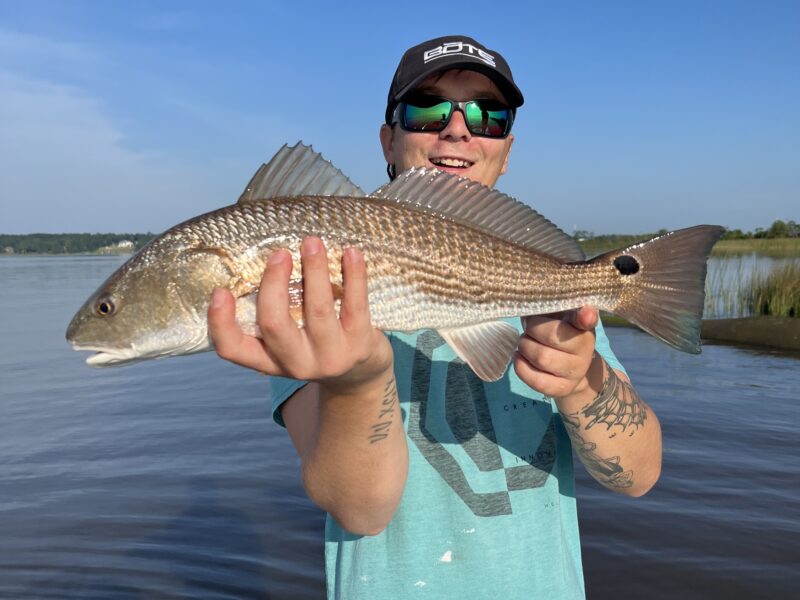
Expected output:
{"points": [[298, 171], [475, 204]]}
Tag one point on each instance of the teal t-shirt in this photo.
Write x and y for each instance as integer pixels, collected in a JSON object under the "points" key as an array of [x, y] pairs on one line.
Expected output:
{"points": [[489, 506]]}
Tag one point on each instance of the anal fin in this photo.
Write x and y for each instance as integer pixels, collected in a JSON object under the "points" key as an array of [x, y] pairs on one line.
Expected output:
{"points": [[487, 347]]}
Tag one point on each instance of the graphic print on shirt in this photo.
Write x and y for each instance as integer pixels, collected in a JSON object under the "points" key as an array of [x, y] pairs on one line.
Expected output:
{"points": [[469, 421]]}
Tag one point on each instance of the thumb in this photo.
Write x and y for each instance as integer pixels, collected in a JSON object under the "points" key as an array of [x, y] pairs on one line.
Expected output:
{"points": [[584, 318]]}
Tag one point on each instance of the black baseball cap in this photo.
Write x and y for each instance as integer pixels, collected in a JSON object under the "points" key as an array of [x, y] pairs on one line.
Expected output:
{"points": [[445, 53]]}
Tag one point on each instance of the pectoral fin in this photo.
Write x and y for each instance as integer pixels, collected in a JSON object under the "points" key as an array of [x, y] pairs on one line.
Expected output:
{"points": [[246, 306], [487, 348], [246, 314]]}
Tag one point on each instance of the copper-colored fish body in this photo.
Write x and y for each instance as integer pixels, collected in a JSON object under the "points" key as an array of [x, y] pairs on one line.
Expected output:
{"points": [[441, 252]]}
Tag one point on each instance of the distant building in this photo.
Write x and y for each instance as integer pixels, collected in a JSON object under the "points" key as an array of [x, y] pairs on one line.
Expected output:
{"points": [[121, 247]]}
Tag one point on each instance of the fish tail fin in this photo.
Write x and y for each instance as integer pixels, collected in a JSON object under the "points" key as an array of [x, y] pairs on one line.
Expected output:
{"points": [[665, 284]]}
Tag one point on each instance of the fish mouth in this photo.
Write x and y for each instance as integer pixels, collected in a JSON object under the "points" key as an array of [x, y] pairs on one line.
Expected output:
{"points": [[106, 357]]}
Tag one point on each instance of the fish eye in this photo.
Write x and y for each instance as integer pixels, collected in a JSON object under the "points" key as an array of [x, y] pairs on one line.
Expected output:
{"points": [[105, 307], [626, 264]]}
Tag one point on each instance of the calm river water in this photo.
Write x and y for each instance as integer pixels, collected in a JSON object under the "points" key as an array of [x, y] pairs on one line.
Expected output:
{"points": [[169, 480]]}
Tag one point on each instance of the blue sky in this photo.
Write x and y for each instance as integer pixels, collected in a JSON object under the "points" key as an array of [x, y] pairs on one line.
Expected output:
{"points": [[133, 116]]}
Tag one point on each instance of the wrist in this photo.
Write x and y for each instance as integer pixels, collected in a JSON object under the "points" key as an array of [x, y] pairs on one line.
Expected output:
{"points": [[369, 382], [588, 389]]}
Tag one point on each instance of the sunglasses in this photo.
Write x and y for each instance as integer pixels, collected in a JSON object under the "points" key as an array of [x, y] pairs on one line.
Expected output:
{"points": [[484, 117]]}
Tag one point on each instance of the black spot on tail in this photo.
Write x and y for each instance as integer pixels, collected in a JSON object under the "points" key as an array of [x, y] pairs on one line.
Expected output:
{"points": [[626, 265]]}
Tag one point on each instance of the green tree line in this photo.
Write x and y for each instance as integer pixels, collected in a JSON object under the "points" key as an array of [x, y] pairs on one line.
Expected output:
{"points": [[594, 244], [68, 243], [778, 229]]}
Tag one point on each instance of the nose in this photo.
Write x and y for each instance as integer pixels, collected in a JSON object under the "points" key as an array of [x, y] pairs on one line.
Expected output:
{"points": [[456, 128]]}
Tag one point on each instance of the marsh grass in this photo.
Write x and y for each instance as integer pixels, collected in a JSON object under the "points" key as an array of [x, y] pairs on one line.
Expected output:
{"points": [[774, 248], [724, 283], [742, 287], [776, 293]]}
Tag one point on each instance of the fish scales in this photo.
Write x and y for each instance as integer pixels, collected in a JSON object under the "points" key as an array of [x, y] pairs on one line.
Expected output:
{"points": [[451, 266]]}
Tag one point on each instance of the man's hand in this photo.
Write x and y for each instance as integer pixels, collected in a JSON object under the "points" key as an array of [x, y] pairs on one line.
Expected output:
{"points": [[347, 428], [614, 433], [555, 351], [343, 351]]}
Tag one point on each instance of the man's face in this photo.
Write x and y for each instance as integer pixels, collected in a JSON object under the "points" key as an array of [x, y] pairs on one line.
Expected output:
{"points": [[454, 149]]}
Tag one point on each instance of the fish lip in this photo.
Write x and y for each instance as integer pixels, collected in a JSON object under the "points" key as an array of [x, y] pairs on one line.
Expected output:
{"points": [[104, 356], [110, 357]]}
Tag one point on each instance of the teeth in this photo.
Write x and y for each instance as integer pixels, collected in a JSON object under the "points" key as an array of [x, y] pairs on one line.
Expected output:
{"points": [[451, 162]]}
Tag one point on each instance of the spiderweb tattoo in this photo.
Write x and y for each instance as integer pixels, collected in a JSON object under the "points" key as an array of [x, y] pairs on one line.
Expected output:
{"points": [[616, 404]]}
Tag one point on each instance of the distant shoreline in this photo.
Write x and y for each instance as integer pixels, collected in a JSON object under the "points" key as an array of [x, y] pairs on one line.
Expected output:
{"points": [[57, 244], [64, 254], [774, 247], [101, 244], [782, 333]]}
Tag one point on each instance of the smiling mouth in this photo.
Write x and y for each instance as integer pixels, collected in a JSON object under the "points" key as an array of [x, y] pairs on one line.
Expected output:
{"points": [[457, 163]]}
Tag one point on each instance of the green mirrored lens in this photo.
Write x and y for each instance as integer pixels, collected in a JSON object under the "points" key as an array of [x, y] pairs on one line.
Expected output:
{"points": [[427, 118], [486, 118]]}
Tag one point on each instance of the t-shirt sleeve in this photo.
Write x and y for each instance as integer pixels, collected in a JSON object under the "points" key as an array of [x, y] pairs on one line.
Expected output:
{"points": [[603, 348], [281, 389]]}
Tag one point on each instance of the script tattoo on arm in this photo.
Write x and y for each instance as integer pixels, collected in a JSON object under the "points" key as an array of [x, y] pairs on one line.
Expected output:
{"points": [[380, 430], [607, 471]]}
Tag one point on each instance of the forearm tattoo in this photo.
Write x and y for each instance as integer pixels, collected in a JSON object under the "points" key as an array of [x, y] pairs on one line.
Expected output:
{"points": [[607, 471], [380, 430], [617, 405]]}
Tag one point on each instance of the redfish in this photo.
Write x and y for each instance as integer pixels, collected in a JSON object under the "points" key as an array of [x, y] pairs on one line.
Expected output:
{"points": [[442, 253]]}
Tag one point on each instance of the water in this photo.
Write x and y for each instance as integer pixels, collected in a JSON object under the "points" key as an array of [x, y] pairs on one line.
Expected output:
{"points": [[724, 519], [169, 480], [160, 480]]}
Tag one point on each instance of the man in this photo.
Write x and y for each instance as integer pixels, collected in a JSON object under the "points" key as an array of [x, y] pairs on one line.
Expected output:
{"points": [[436, 483]]}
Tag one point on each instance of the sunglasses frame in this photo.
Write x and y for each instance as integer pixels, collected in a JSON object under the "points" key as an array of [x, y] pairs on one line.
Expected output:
{"points": [[399, 115]]}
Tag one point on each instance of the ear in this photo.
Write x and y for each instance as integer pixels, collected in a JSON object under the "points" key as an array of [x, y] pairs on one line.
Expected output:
{"points": [[387, 143], [510, 141]]}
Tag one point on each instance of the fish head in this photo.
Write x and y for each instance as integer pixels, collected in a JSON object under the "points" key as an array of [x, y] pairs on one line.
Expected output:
{"points": [[151, 307]]}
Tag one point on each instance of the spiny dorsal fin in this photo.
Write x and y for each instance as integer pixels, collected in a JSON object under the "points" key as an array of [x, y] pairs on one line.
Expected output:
{"points": [[474, 204], [298, 171]]}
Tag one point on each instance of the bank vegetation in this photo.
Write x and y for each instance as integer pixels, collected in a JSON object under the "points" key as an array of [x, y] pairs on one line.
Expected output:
{"points": [[73, 243]]}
